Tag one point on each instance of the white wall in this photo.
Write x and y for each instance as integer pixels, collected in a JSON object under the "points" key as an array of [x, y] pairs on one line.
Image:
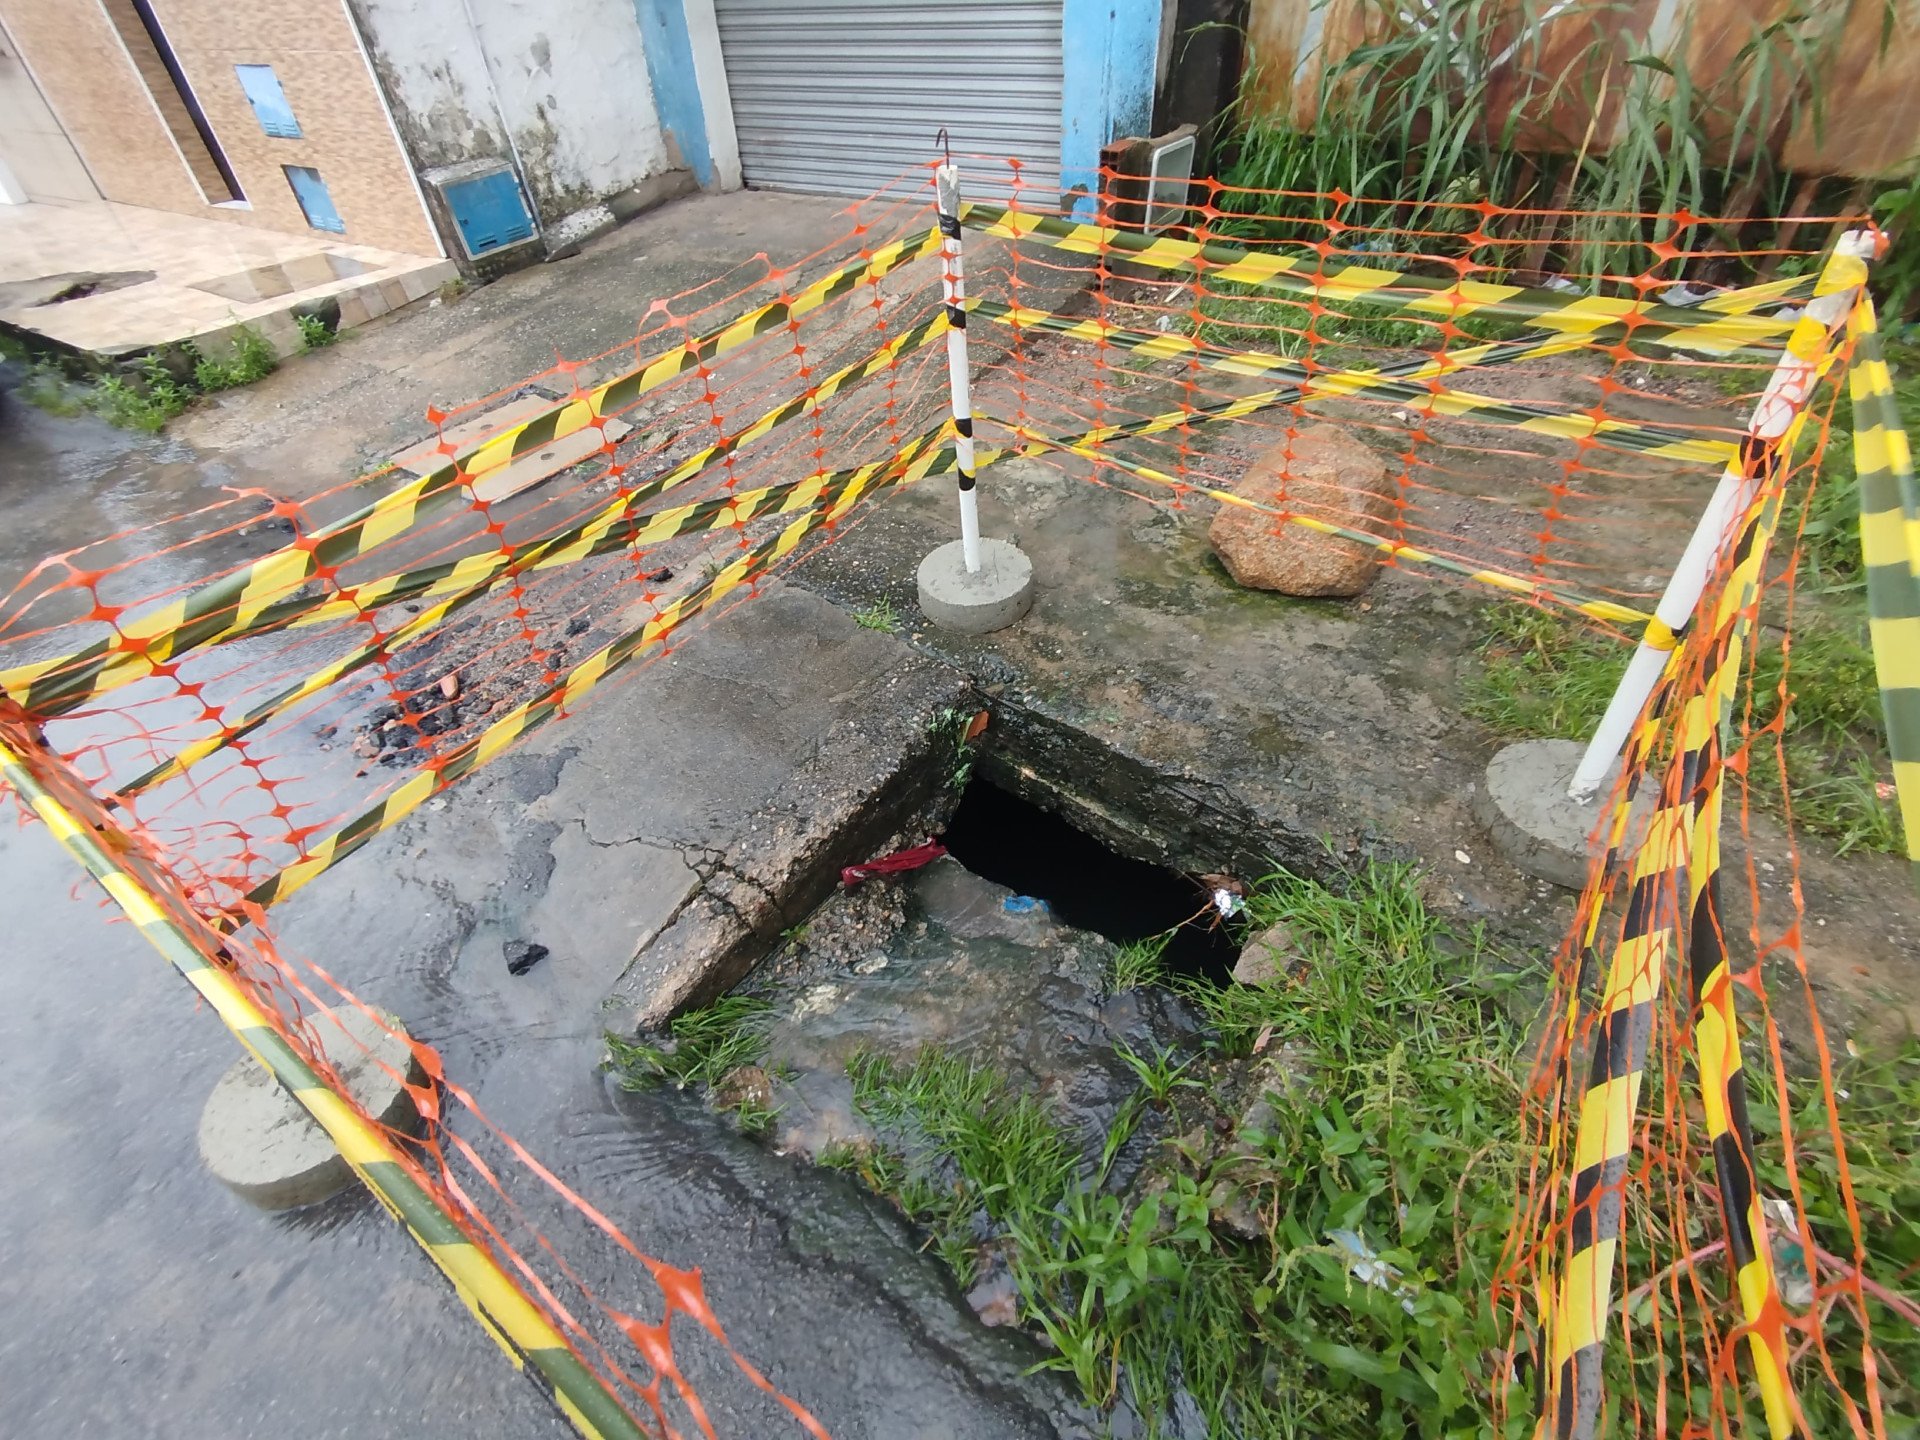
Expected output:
{"points": [[560, 90]]}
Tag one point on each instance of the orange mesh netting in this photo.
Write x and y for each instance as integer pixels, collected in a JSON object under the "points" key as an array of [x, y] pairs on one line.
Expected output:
{"points": [[1556, 399]]}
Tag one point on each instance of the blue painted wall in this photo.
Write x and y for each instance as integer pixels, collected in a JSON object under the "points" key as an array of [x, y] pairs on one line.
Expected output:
{"points": [[676, 94], [1110, 50]]}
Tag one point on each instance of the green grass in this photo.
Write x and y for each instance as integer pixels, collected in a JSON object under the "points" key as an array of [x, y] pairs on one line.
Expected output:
{"points": [[1392, 1137], [1406, 1137], [1544, 676], [1541, 675], [878, 616], [701, 1046], [1138, 963]]}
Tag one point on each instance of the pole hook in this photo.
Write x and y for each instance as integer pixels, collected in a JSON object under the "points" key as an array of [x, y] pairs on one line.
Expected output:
{"points": [[944, 143]]}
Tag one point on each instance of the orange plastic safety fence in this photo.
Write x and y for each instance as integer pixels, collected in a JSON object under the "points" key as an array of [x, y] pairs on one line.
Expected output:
{"points": [[1522, 400]]}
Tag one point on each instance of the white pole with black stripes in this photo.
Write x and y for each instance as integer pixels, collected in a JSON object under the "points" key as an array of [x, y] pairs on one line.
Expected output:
{"points": [[953, 290]]}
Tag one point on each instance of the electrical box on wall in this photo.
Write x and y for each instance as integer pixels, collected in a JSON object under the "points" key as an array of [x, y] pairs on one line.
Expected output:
{"points": [[486, 203]]}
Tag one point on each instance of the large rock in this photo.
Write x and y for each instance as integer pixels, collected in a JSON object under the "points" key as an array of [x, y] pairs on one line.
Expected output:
{"points": [[1267, 957], [1322, 473]]}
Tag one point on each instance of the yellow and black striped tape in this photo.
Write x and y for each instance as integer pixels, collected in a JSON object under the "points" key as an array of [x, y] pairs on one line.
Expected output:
{"points": [[1429, 399], [1890, 551], [1604, 1132], [1316, 277], [1605, 611], [233, 604], [831, 498], [1716, 1031], [469, 579], [521, 1328]]}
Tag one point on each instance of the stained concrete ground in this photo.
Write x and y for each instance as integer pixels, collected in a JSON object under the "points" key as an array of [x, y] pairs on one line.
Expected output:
{"points": [[1156, 703]]}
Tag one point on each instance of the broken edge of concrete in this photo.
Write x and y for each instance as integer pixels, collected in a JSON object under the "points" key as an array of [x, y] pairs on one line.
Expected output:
{"points": [[869, 777]]}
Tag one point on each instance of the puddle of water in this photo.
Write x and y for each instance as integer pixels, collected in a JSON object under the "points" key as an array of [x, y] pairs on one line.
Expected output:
{"points": [[943, 959], [1034, 852]]}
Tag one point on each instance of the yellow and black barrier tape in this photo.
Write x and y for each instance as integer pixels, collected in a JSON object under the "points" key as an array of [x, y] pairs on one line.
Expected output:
{"points": [[1315, 277], [520, 1327], [1398, 551], [464, 581], [1890, 552], [1716, 1032], [231, 605], [1604, 1132], [1429, 399], [831, 498]]}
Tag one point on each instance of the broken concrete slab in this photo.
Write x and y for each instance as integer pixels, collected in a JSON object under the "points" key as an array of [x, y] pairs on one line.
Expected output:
{"points": [[529, 469]]}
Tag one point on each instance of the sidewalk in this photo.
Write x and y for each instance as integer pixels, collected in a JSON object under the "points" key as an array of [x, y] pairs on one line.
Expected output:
{"points": [[140, 278]]}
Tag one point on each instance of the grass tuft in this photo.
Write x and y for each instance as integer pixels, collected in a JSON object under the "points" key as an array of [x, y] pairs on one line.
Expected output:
{"points": [[878, 616], [1138, 963], [701, 1046]]}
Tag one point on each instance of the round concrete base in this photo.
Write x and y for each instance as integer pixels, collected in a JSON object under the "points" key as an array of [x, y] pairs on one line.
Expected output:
{"points": [[1525, 808], [990, 598], [261, 1143]]}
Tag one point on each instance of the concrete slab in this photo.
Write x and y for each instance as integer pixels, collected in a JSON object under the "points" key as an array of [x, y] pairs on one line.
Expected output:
{"points": [[527, 471], [206, 277]]}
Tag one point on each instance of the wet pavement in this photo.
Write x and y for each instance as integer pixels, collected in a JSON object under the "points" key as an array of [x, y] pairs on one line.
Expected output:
{"points": [[141, 1298]]}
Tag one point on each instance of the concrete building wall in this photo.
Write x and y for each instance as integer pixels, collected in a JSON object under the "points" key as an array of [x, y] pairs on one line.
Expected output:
{"points": [[101, 102], [134, 134], [561, 93], [34, 151]]}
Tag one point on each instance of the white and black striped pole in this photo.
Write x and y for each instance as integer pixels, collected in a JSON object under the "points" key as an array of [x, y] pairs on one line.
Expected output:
{"points": [[953, 292], [972, 585]]}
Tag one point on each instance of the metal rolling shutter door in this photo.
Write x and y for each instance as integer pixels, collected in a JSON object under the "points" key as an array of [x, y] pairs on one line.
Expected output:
{"points": [[841, 96]]}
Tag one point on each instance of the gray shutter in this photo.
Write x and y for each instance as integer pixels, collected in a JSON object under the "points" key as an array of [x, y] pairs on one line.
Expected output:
{"points": [[841, 96]]}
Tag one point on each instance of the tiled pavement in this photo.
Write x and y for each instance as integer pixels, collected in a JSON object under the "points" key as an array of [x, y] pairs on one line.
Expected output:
{"points": [[206, 277]]}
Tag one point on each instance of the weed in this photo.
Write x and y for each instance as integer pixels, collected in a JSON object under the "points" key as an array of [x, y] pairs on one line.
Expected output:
{"points": [[315, 333], [1137, 963], [878, 616], [1425, 115], [701, 1045], [147, 401], [453, 289], [252, 359], [954, 730], [1159, 1077]]}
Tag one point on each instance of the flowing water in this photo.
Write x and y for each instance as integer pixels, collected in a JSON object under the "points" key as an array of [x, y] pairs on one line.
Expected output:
{"points": [[138, 1297]]}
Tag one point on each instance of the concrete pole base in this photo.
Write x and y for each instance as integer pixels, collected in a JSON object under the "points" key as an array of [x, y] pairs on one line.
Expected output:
{"points": [[1524, 806], [978, 602], [262, 1144]]}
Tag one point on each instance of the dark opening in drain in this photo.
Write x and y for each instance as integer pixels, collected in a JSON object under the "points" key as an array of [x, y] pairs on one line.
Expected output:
{"points": [[1011, 842]]}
